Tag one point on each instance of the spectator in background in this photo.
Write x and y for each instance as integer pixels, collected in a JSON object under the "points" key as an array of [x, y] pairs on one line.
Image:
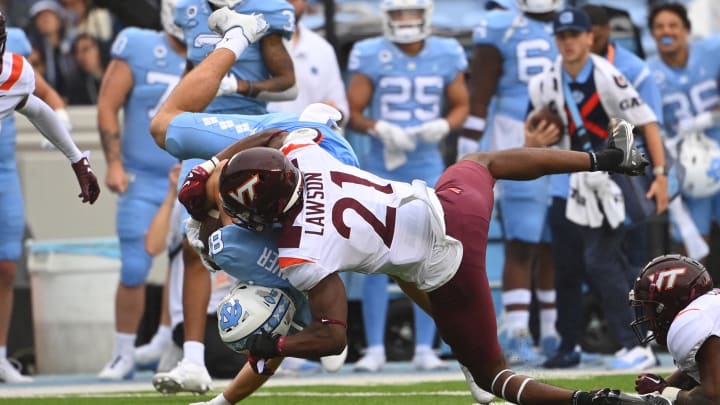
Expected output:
{"points": [[583, 238], [316, 71], [412, 86], [90, 69], [48, 34], [85, 18]]}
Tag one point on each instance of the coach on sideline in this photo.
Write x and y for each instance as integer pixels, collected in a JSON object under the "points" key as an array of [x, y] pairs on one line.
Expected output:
{"points": [[586, 91]]}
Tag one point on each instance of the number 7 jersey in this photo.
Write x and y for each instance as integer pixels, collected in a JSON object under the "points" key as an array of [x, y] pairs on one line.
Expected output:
{"points": [[352, 220]]}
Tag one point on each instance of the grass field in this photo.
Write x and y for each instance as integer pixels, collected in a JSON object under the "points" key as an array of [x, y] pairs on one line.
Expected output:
{"points": [[450, 393]]}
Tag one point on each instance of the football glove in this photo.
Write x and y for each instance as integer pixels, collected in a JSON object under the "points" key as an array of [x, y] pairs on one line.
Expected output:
{"points": [[228, 85], [649, 383], [261, 347], [393, 137], [89, 188], [607, 396], [433, 131], [192, 193]]}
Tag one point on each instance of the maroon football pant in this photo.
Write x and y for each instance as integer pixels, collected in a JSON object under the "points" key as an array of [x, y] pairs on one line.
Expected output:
{"points": [[463, 307]]}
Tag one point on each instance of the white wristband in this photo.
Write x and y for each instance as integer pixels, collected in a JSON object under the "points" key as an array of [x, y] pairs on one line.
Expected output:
{"points": [[474, 123], [671, 393], [210, 165]]}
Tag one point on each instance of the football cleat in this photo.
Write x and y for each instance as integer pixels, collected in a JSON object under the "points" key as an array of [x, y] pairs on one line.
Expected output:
{"points": [[223, 20], [636, 359], [148, 355], [370, 362], [623, 139], [10, 373], [119, 368], [480, 396], [185, 377], [428, 361]]}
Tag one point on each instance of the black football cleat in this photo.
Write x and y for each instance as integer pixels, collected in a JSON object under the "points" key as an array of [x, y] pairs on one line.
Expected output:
{"points": [[623, 139]]}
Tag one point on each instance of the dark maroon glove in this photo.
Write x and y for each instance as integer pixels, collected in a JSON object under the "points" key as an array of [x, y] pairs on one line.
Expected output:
{"points": [[89, 188], [192, 192], [648, 383]]}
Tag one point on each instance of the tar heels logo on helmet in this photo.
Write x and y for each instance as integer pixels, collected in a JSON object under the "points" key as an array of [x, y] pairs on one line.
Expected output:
{"points": [[230, 314]]}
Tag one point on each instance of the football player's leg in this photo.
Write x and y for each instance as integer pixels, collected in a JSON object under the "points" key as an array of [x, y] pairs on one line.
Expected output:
{"points": [[12, 225], [374, 311], [194, 92], [201, 136]]}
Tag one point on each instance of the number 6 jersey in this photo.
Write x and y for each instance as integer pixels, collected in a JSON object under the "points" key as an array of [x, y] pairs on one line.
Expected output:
{"points": [[352, 220]]}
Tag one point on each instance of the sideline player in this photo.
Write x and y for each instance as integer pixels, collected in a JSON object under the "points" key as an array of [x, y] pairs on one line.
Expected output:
{"points": [[145, 67], [12, 214], [674, 298], [452, 281]]}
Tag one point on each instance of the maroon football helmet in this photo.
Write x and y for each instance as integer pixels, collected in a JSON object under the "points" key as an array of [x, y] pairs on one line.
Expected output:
{"points": [[258, 187], [664, 288]]}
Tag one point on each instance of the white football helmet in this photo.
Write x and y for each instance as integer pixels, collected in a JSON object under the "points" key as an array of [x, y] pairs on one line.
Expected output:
{"points": [[539, 6], [700, 157], [406, 31], [250, 309], [226, 3], [167, 10]]}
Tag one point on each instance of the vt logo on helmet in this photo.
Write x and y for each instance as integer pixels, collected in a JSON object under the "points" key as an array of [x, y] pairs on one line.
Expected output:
{"points": [[665, 287], [258, 187]]}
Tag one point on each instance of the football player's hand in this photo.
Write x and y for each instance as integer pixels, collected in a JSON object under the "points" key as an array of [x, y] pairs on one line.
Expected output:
{"points": [[543, 134], [89, 187], [173, 176], [433, 131], [116, 179], [192, 193], [261, 347], [228, 85], [607, 396], [648, 383], [393, 137]]}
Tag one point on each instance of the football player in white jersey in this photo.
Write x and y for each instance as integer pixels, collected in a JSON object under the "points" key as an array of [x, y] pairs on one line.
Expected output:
{"points": [[12, 215], [339, 218], [674, 298]]}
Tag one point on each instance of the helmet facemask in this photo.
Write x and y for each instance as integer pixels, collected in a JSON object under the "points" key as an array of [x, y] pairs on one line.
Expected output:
{"points": [[406, 21]]}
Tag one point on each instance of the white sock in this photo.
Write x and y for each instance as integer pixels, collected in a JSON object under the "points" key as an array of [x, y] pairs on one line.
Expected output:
{"points": [[235, 41], [547, 322], [423, 350], [377, 350], [124, 344], [194, 352], [219, 400], [162, 336], [516, 321], [3, 352]]}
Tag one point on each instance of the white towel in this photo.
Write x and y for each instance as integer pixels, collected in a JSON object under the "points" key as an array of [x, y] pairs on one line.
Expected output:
{"points": [[394, 158], [590, 191], [695, 245]]}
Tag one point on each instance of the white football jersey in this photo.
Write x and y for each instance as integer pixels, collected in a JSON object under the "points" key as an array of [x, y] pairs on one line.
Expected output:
{"points": [[17, 80], [355, 221], [690, 328]]}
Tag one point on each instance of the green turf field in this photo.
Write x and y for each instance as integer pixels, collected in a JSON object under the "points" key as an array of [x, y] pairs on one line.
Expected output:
{"points": [[454, 392]]}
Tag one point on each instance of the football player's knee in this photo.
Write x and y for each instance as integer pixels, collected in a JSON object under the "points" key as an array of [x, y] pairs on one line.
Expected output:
{"points": [[339, 341], [134, 270]]}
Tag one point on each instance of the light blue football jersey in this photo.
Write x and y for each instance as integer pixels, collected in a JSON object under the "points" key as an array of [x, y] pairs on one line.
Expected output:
{"points": [[527, 47], [192, 16], [638, 74], [202, 135], [156, 69], [251, 257], [408, 91], [18, 43], [691, 90]]}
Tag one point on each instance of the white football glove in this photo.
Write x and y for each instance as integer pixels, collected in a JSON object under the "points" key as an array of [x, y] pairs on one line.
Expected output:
{"points": [[433, 131], [192, 232], [228, 85], [466, 145], [393, 137], [699, 122]]}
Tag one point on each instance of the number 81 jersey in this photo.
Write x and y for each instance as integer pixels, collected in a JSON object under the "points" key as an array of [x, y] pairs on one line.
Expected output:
{"points": [[352, 220], [527, 48]]}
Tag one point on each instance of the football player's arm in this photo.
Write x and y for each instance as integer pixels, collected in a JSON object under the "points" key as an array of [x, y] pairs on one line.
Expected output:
{"points": [[708, 392], [458, 101], [659, 187], [327, 334], [246, 382], [49, 125], [281, 85], [116, 85], [359, 93], [485, 72], [156, 236]]}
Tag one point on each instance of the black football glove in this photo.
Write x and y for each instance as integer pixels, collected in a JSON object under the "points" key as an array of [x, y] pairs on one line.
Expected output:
{"points": [[260, 347]]}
